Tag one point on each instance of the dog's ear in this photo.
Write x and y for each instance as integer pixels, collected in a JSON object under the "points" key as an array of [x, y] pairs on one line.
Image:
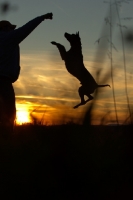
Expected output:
{"points": [[77, 33]]}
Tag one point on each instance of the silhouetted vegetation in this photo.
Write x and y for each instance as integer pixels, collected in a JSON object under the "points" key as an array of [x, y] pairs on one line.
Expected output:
{"points": [[67, 162]]}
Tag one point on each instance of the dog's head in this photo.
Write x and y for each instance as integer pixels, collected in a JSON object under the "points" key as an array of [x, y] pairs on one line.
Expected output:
{"points": [[73, 38]]}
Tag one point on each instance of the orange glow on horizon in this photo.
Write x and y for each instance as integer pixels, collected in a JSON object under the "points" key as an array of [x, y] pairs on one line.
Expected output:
{"points": [[60, 114]]}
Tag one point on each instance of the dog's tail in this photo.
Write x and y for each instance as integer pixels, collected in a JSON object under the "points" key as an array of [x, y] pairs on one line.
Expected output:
{"points": [[103, 85]]}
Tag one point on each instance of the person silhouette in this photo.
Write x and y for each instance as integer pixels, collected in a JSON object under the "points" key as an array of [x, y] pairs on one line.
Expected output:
{"points": [[10, 38]]}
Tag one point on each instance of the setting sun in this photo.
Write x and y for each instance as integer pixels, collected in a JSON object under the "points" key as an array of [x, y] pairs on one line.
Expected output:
{"points": [[22, 117]]}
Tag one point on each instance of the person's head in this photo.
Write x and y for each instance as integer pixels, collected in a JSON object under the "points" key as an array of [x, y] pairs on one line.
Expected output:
{"points": [[6, 26]]}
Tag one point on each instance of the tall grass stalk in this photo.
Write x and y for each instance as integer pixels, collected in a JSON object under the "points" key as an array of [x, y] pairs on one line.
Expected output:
{"points": [[124, 60], [111, 64]]}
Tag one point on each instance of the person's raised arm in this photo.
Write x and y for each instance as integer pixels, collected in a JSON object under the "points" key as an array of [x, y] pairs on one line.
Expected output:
{"points": [[18, 35]]}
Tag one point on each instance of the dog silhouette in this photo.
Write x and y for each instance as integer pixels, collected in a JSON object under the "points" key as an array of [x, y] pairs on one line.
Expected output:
{"points": [[74, 64]]}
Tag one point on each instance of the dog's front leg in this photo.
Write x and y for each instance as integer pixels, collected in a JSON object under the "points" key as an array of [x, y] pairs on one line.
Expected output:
{"points": [[61, 49]]}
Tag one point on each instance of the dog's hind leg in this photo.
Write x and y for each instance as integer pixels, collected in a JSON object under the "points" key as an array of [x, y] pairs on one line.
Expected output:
{"points": [[82, 91], [90, 97], [81, 94]]}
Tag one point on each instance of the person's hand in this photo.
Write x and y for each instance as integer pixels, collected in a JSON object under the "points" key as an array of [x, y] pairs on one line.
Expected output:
{"points": [[48, 16], [54, 43]]}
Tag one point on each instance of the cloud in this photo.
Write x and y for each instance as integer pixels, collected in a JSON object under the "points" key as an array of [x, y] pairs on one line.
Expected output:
{"points": [[45, 84]]}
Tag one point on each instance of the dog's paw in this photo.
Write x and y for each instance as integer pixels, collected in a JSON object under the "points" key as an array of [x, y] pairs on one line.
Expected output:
{"points": [[54, 43]]}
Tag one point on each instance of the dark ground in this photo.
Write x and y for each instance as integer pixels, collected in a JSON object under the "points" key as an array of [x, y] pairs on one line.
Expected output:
{"points": [[67, 162]]}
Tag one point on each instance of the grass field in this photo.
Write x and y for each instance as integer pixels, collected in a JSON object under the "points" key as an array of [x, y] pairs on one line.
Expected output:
{"points": [[67, 162]]}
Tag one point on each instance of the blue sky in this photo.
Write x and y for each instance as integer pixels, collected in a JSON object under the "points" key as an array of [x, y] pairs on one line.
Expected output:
{"points": [[44, 84]]}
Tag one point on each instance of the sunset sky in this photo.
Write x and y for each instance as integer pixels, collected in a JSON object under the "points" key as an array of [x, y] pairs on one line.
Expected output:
{"points": [[44, 87]]}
